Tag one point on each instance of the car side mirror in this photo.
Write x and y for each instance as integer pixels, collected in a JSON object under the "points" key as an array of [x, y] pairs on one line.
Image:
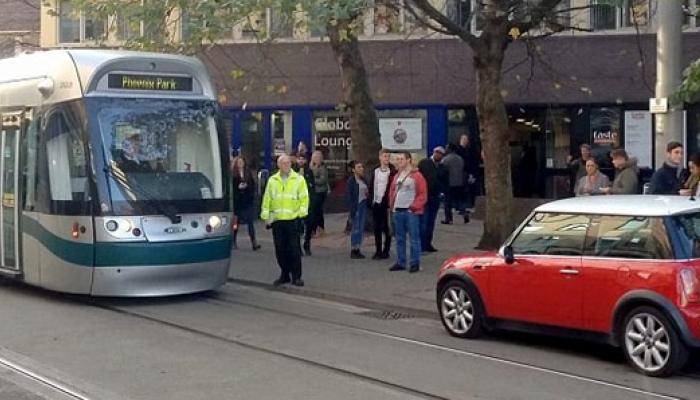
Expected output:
{"points": [[508, 255]]}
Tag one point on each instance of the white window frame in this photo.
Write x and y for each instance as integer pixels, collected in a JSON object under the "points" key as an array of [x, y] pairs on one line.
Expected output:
{"points": [[621, 14], [81, 27]]}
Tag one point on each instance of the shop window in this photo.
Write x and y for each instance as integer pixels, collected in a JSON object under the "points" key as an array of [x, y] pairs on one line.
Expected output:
{"points": [[281, 24], [457, 125], [331, 132], [605, 131], [281, 124], [252, 140], [75, 27], [607, 16]]}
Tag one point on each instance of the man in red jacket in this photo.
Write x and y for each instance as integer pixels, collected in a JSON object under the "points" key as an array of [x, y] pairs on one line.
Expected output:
{"points": [[407, 198]]}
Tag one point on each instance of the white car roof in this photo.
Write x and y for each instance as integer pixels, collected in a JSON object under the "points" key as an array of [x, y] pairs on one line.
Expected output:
{"points": [[636, 205]]}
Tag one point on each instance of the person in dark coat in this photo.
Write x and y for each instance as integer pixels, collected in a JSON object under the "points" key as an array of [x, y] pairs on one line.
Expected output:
{"points": [[244, 189], [307, 225], [471, 156], [379, 183], [670, 177], [431, 169]]}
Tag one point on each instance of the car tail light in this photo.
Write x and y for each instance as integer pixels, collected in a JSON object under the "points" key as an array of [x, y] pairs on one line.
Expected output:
{"points": [[690, 287]]}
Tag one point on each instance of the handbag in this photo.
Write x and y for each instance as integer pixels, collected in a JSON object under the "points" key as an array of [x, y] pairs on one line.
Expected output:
{"points": [[234, 223]]}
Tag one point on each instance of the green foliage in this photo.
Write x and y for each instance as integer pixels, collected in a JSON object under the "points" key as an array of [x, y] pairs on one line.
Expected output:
{"points": [[689, 91], [154, 24]]}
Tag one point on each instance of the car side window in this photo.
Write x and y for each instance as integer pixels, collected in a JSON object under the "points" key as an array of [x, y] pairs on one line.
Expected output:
{"points": [[631, 237], [552, 234]]}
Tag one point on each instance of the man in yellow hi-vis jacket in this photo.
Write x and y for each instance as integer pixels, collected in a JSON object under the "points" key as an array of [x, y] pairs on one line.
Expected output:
{"points": [[286, 200]]}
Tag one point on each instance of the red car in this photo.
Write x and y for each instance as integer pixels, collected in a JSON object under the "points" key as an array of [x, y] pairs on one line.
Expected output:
{"points": [[621, 269]]}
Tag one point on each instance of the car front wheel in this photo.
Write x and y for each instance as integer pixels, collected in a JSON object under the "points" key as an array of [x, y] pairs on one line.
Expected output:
{"points": [[651, 344], [460, 310]]}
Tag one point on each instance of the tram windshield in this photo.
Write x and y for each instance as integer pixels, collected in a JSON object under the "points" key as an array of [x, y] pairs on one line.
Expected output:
{"points": [[159, 152]]}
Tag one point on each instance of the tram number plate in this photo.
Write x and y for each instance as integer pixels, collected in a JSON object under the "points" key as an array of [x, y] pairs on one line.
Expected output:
{"points": [[175, 229]]}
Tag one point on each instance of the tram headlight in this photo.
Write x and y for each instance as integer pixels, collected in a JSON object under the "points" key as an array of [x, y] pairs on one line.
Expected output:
{"points": [[111, 225], [126, 226], [215, 221]]}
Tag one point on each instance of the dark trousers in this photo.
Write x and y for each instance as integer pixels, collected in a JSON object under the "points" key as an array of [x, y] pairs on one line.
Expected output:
{"points": [[315, 217], [427, 222], [380, 217], [285, 234], [454, 199]]}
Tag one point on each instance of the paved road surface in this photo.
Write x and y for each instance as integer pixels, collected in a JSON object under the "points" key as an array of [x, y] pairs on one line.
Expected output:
{"points": [[245, 342]]}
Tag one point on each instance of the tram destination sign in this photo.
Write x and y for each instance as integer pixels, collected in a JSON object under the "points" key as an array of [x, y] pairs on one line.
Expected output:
{"points": [[150, 82]]}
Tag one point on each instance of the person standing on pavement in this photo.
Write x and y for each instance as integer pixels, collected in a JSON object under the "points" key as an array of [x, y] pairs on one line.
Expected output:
{"points": [[578, 165], [407, 197], [244, 199], [358, 194], [626, 180], [431, 170], [285, 202], [690, 188], [454, 167], [305, 225], [321, 188], [380, 183], [670, 177], [593, 182], [471, 157]]}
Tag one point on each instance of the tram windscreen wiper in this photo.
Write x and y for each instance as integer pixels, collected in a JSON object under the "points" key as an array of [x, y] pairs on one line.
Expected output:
{"points": [[138, 191]]}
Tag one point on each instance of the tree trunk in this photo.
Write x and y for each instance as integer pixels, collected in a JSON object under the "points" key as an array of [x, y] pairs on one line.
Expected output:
{"points": [[493, 127], [364, 123]]}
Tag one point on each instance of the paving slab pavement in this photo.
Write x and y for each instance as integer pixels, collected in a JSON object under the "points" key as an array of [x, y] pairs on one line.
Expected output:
{"points": [[330, 273]]}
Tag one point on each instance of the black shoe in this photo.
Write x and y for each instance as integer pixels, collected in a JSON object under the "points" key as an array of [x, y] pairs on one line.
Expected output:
{"points": [[466, 218], [307, 250], [397, 267], [356, 255], [376, 256], [281, 281], [414, 268], [446, 222], [256, 247], [384, 255], [431, 249], [298, 282]]}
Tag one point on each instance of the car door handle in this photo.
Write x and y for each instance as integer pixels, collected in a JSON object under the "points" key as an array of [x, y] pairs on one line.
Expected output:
{"points": [[568, 271]]}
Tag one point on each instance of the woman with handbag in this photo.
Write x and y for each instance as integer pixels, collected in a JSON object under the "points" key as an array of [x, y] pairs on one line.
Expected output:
{"points": [[244, 200]]}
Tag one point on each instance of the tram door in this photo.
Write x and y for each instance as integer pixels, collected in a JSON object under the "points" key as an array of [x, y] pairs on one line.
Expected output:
{"points": [[9, 182]]}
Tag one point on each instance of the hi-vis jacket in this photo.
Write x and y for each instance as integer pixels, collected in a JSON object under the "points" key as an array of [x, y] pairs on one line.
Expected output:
{"points": [[284, 201]]}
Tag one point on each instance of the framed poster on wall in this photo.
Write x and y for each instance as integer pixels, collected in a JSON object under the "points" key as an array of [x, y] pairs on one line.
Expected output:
{"points": [[638, 137], [400, 134]]}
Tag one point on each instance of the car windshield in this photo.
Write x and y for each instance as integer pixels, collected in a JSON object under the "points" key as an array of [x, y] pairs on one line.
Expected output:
{"points": [[159, 150], [689, 228]]}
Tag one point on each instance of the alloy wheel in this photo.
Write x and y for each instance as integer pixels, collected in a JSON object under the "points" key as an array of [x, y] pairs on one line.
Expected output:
{"points": [[647, 342], [457, 310]]}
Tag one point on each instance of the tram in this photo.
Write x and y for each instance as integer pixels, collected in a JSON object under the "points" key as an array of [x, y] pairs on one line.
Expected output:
{"points": [[113, 174]]}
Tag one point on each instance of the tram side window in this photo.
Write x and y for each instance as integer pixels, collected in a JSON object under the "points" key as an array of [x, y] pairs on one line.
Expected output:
{"points": [[65, 159]]}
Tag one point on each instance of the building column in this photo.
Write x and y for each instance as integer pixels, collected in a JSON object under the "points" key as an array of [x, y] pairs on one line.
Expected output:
{"points": [[669, 126]]}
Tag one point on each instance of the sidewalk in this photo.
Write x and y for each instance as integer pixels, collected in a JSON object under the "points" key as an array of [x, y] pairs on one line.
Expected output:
{"points": [[330, 273]]}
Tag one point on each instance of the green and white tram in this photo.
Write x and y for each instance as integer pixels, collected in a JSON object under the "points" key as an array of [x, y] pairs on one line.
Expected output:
{"points": [[113, 174]]}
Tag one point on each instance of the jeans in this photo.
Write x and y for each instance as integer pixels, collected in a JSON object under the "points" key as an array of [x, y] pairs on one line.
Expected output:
{"points": [[427, 222], [407, 222], [358, 226]]}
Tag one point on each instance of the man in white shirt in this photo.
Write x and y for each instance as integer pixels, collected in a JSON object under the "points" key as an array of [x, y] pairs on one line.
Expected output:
{"points": [[380, 181]]}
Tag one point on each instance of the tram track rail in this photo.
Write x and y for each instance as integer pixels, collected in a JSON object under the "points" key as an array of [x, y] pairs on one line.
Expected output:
{"points": [[65, 390], [218, 300]]}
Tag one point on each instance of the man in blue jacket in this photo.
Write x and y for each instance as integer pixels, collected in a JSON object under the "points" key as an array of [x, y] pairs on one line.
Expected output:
{"points": [[670, 177]]}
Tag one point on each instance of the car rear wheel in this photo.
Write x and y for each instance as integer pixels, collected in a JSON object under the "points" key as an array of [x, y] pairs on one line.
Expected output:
{"points": [[651, 344], [460, 310]]}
